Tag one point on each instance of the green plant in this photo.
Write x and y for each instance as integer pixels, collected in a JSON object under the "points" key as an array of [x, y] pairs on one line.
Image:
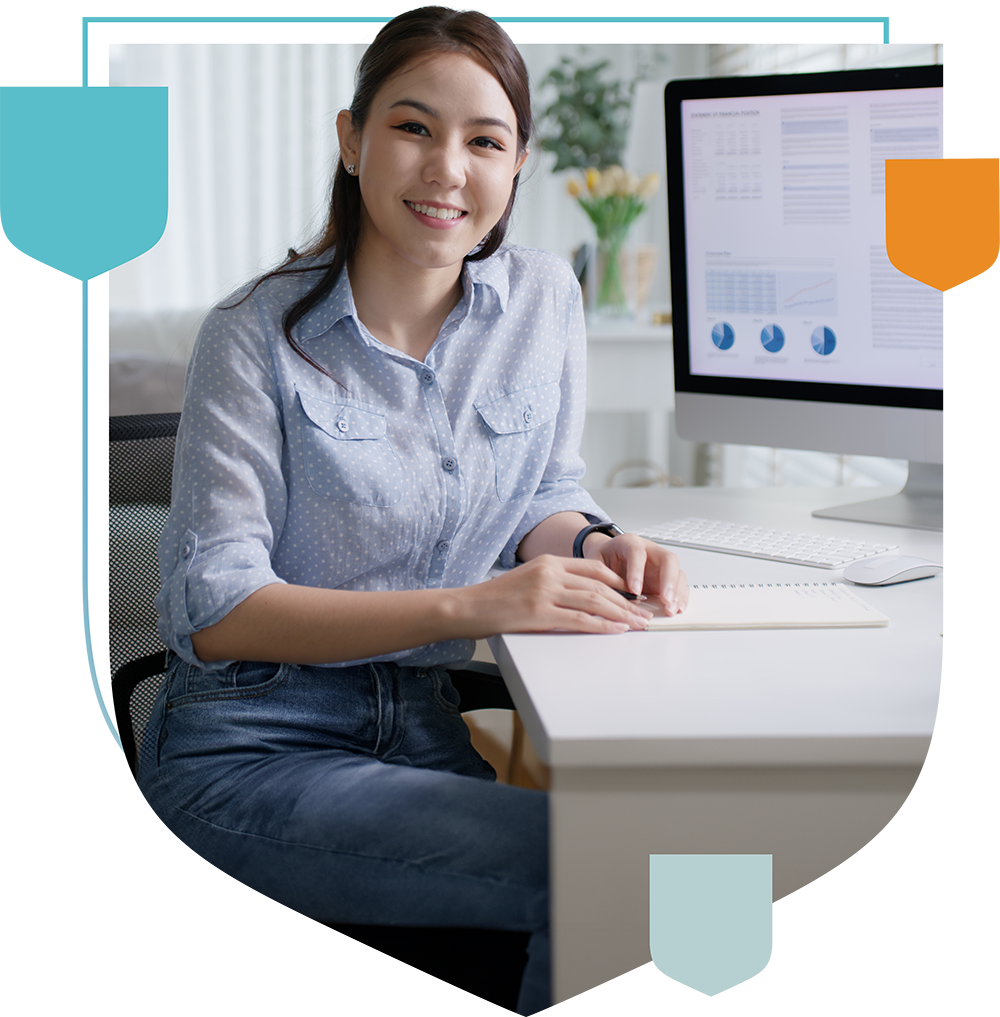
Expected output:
{"points": [[586, 125]]}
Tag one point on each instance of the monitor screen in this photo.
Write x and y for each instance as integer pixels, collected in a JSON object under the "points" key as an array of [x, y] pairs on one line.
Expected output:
{"points": [[782, 286], [791, 326]]}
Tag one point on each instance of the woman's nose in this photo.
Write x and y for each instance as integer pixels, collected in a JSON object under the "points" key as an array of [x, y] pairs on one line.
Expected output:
{"points": [[445, 165]]}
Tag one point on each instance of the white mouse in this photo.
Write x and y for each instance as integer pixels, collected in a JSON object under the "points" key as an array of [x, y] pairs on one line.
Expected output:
{"points": [[890, 568]]}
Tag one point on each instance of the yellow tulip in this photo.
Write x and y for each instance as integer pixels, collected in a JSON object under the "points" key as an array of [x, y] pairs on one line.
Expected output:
{"points": [[606, 182], [593, 177], [574, 188]]}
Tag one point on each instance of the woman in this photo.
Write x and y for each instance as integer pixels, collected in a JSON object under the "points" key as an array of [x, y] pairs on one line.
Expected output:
{"points": [[365, 431]]}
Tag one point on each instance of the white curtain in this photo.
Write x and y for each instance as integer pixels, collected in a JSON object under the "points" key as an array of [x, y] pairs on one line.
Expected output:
{"points": [[252, 142]]}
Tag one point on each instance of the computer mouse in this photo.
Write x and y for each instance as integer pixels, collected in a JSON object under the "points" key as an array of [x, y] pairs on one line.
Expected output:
{"points": [[890, 568]]}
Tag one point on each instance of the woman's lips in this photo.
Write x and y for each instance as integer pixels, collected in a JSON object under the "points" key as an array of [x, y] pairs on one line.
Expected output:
{"points": [[432, 220]]}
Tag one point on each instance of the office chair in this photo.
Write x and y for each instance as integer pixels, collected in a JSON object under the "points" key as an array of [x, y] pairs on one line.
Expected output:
{"points": [[486, 962]]}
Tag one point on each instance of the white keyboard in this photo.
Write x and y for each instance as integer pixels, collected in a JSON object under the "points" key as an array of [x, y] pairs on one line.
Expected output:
{"points": [[760, 542]]}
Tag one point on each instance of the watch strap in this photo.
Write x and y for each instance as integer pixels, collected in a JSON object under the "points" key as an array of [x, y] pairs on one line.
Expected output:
{"points": [[611, 529]]}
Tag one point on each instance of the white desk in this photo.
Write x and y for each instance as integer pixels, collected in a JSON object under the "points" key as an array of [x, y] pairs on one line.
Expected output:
{"points": [[799, 744]]}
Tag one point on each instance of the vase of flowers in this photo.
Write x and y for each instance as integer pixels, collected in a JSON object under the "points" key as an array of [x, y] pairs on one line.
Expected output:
{"points": [[613, 199]]}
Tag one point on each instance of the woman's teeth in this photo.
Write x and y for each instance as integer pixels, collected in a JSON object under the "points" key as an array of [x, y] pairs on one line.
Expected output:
{"points": [[437, 213]]}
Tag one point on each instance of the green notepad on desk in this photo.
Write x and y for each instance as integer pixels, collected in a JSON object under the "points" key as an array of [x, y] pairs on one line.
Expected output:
{"points": [[772, 606]]}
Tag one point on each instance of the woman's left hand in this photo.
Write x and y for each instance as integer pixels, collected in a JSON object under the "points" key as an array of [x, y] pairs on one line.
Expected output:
{"points": [[647, 568]]}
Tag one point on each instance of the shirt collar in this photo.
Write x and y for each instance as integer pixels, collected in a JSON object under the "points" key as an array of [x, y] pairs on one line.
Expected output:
{"points": [[490, 272], [339, 304]]}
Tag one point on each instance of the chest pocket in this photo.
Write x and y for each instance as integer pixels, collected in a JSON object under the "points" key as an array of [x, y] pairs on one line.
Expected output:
{"points": [[346, 454], [521, 426]]}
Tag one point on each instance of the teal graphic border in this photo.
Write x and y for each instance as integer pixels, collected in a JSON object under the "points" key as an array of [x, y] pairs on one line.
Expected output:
{"points": [[90, 193]]}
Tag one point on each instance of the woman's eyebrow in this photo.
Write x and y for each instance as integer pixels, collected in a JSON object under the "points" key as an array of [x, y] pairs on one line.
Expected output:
{"points": [[422, 107]]}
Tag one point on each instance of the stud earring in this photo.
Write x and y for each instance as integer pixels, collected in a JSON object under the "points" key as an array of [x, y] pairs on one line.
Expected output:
{"points": [[350, 170]]}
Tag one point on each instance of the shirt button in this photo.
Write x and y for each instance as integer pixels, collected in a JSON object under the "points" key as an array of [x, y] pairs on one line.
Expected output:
{"points": [[186, 550], [449, 463], [427, 377], [527, 416], [442, 546], [342, 425]]}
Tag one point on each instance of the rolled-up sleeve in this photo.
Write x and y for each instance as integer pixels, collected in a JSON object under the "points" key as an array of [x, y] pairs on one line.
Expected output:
{"points": [[559, 489], [229, 494]]}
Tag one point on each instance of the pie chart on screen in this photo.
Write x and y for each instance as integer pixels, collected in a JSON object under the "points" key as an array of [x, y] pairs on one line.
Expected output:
{"points": [[824, 342], [772, 338], [723, 335]]}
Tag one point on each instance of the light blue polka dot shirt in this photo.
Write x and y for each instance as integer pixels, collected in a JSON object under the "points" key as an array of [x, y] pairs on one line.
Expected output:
{"points": [[399, 474]]}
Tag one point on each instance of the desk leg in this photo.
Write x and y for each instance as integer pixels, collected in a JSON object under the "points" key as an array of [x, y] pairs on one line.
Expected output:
{"points": [[600, 912], [606, 823]]}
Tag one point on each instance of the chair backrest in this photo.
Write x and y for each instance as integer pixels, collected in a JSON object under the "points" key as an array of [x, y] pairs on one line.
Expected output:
{"points": [[141, 465]]}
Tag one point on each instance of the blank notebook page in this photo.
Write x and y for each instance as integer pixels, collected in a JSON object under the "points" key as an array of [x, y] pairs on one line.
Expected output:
{"points": [[772, 606]]}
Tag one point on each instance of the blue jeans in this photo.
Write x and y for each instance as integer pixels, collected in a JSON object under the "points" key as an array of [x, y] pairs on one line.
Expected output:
{"points": [[352, 795]]}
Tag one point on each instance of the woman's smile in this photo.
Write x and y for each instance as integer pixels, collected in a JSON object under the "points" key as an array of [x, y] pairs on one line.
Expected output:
{"points": [[438, 217]]}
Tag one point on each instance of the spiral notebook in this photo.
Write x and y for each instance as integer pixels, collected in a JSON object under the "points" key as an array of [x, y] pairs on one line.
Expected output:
{"points": [[772, 606]]}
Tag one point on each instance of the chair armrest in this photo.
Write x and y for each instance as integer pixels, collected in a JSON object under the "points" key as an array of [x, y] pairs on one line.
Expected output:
{"points": [[481, 687]]}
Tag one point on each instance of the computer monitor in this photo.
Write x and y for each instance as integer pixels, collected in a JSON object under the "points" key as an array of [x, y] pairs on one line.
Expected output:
{"points": [[791, 327]]}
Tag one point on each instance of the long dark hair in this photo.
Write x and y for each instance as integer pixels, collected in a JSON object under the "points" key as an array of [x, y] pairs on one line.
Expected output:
{"points": [[400, 42]]}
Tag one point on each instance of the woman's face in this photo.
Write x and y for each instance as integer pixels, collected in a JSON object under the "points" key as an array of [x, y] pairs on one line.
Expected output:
{"points": [[436, 161]]}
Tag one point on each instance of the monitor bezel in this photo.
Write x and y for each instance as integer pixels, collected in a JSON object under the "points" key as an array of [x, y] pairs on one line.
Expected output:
{"points": [[871, 79]]}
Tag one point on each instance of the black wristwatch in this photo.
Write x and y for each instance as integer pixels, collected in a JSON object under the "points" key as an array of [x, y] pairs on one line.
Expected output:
{"points": [[611, 529]]}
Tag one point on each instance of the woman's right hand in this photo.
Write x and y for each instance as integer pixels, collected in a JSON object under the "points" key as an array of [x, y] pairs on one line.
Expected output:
{"points": [[551, 592]]}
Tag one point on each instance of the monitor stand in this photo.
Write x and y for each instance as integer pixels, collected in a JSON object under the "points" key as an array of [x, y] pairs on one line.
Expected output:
{"points": [[919, 506]]}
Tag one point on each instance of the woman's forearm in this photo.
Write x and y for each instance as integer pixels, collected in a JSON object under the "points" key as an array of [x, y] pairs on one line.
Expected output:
{"points": [[305, 625]]}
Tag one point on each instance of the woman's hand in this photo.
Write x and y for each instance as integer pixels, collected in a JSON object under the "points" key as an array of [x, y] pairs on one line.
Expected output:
{"points": [[645, 567], [550, 592]]}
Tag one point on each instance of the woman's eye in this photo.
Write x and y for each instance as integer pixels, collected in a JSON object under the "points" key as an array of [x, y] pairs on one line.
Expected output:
{"points": [[412, 128], [487, 143]]}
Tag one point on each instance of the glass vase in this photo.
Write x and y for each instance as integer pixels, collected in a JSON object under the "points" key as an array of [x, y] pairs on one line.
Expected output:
{"points": [[611, 298]]}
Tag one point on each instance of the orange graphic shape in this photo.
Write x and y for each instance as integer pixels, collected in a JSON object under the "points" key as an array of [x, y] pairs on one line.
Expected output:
{"points": [[942, 218]]}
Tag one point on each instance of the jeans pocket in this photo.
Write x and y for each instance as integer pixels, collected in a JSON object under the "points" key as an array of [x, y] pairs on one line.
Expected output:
{"points": [[240, 680], [445, 693]]}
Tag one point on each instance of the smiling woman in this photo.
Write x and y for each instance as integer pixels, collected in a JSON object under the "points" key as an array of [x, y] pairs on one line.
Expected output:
{"points": [[366, 431]]}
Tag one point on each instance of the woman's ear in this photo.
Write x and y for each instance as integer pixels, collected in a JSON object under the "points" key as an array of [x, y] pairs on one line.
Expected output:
{"points": [[521, 161], [348, 137]]}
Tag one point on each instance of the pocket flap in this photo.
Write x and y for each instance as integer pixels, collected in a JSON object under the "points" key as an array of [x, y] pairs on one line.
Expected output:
{"points": [[342, 420], [522, 410]]}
